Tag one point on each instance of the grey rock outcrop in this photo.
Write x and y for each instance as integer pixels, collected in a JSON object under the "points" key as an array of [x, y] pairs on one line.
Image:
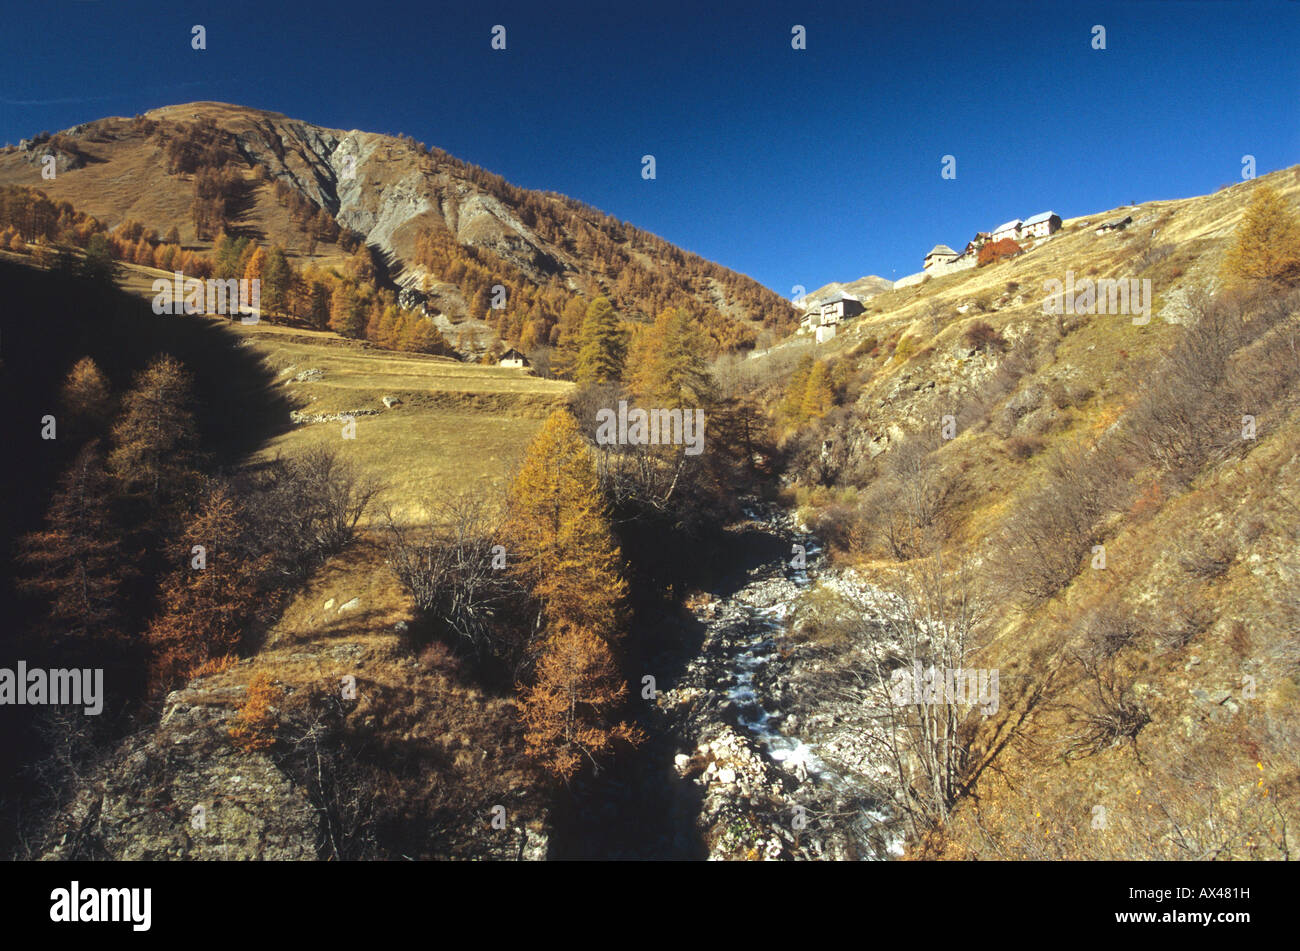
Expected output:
{"points": [[183, 791]]}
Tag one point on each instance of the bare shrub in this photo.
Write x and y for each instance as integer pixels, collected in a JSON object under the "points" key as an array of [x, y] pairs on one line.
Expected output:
{"points": [[934, 316], [1065, 395], [840, 525], [1209, 560], [1184, 622], [1152, 255], [314, 751], [738, 375], [1025, 447], [1050, 530], [308, 505], [1180, 424], [1013, 367], [1107, 630], [907, 503], [981, 335], [920, 746], [447, 566], [1202, 799], [1110, 714]]}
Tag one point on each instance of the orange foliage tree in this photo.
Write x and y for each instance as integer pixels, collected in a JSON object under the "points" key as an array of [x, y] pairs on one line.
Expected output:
{"points": [[1266, 249], [996, 251], [565, 711], [155, 436], [211, 599], [567, 557], [255, 725], [566, 554], [85, 395]]}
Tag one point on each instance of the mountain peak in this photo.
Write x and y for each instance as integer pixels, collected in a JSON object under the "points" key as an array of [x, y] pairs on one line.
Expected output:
{"points": [[433, 224]]}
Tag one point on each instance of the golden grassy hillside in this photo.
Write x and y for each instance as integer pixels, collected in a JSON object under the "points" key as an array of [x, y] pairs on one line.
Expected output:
{"points": [[457, 427], [1191, 623]]}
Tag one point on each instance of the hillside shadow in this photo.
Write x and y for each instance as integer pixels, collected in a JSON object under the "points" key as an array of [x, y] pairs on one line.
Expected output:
{"points": [[670, 636], [335, 626], [50, 320], [638, 807], [240, 206]]}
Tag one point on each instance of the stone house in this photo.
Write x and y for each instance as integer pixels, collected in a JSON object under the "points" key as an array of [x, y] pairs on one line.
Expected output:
{"points": [[840, 307], [939, 254], [1040, 225], [1010, 229], [973, 246]]}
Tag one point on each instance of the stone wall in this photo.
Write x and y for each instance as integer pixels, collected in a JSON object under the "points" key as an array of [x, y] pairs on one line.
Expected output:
{"points": [[951, 267]]}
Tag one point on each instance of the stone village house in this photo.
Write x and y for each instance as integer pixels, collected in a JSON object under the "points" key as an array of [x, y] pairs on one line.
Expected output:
{"points": [[824, 320], [1041, 225], [512, 358]]}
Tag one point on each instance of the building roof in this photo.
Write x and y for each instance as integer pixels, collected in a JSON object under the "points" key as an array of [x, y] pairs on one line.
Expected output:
{"points": [[941, 249], [1041, 216], [839, 297], [1013, 223]]}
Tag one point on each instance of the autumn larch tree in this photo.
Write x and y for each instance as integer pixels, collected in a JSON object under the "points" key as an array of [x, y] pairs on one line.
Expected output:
{"points": [[796, 388], [602, 347], [85, 396], [568, 335], [567, 711], [76, 561], [565, 554], [818, 395], [229, 252], [318, 304], [211, 596], [154, 438], [347, 314], [1266, 249], [277, 278], [423, 337], [669, 366]]}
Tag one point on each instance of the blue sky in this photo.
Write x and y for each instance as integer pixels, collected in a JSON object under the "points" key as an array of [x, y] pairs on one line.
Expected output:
{"points": [[795, 167]]}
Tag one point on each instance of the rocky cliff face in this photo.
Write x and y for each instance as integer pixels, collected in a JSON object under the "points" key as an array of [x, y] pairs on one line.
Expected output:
{"points": [[386, 189], [182, 791]]}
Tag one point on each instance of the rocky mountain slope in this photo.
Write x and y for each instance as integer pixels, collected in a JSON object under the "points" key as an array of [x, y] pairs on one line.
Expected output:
{"points": [[392, 191], [864, 288], [1115, 493]]}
